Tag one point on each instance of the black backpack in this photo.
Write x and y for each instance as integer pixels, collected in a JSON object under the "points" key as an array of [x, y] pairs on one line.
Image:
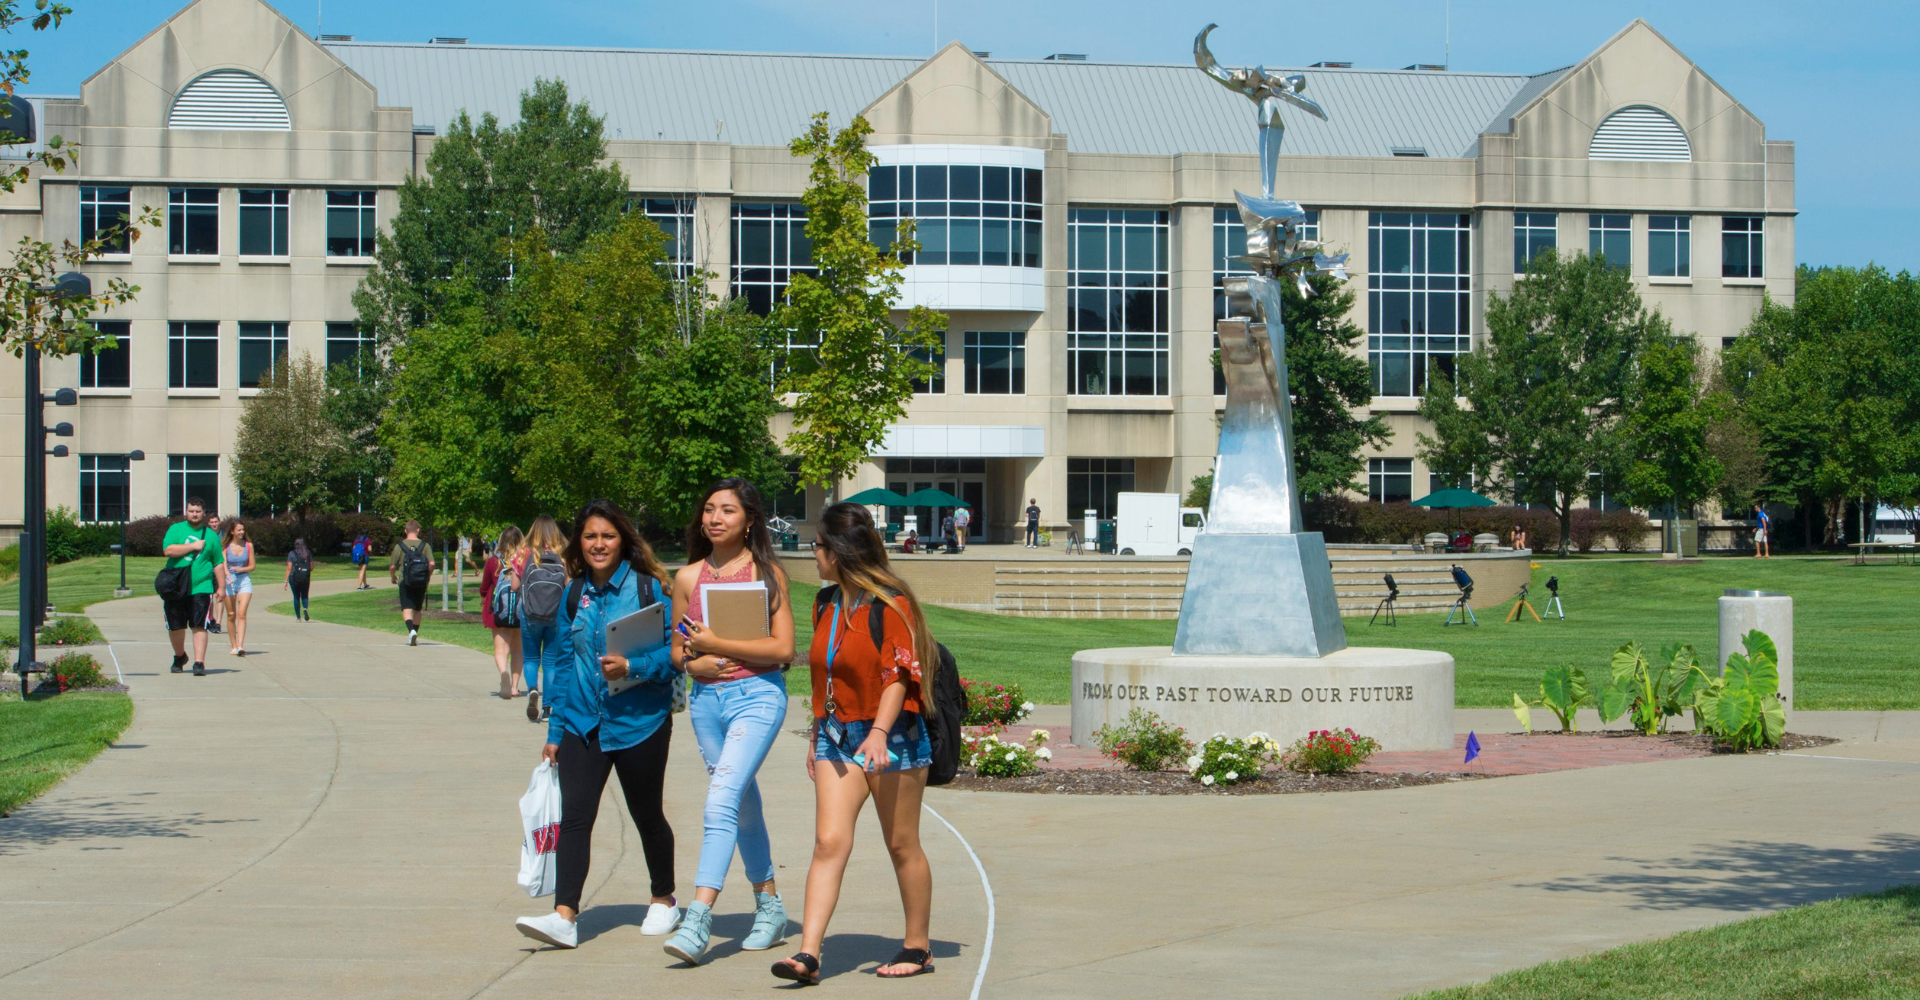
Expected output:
{"points": [[301, 570], [416, 569], [947, 700], [542, 584]]}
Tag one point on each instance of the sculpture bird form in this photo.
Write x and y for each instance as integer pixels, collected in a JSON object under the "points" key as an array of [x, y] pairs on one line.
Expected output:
{"points": [[1267, 92]]}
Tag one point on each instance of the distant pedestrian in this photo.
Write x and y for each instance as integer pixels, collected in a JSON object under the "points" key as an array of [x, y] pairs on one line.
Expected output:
{"points": [[593, 733], [239, 585], [362, 555], [217, 608], [410, 567], [962, 520], [540, 576], [299, 578], [500, 610], [868, 739], [191, 545], [1033, 523], [946, 533], [1762, 534]]}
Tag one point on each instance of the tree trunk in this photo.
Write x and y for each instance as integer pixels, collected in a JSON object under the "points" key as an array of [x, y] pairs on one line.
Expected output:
{"points": [[1566, 523]]}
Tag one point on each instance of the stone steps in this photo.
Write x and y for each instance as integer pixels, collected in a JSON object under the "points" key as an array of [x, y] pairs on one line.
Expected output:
{"points": [[1107, 588]]}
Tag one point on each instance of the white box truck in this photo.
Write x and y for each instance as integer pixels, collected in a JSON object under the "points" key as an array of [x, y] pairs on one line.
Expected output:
{"points": [[1154, 524]]}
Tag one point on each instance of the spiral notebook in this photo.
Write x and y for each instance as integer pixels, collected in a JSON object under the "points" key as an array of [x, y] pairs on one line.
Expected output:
{"points": [[736, 610]]}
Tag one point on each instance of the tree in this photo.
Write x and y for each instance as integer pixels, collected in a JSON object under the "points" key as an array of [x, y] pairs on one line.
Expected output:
{"points": [[287, 454], [1547, 393], [357, 396], [1327, 380], [865, 370], [1669, 463]]}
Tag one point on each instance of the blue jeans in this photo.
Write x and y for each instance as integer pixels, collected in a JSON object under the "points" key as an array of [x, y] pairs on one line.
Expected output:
{"points": [[539, 650], [735, 723]]}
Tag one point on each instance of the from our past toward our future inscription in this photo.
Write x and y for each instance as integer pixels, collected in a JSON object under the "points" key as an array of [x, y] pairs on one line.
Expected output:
{"points": [[1351, 694]]}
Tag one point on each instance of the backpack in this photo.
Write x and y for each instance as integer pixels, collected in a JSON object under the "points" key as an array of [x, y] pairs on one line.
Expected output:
{"points": [[359, 551], [947, 699], [541, 585], [504, 602], [416, 569], [302, 569]]}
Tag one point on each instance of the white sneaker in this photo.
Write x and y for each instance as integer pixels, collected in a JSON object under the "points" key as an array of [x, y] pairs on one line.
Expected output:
{"points": [[413, 638], [553, 928], [661, 919]]}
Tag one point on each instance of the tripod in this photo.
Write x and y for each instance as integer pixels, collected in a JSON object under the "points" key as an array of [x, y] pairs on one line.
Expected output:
{"points": [[1386, 603], [1521, 602], [1554, 608], [1462, 608]]}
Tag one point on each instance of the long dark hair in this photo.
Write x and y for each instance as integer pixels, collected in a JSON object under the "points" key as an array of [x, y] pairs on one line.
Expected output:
{"points": [[300, 549], [860, 557], [759, 537], [634, 550]]}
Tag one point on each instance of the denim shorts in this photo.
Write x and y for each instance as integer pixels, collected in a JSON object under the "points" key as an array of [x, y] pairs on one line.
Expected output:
{"points": [[908, 741]]}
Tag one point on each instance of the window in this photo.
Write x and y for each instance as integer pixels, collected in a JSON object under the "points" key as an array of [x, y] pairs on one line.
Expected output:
{"points": [[1740, 246], [1390, 480], [1229, 241], [193, 355], [791, 501], [1437, 482], [1532, 233], [1610, 235], [263, 222], [1117, 268], [103, 488], [193, 221], [794, 352], [1670, 246], [996, 363], [674, 215], [1096, 484], [937, 357], [965, 214], [111, 367], [191, 476], [345, 343], [102, 209], [1599, 496], [350, 226], [770, 246], [1417, 297], [263, 349]]}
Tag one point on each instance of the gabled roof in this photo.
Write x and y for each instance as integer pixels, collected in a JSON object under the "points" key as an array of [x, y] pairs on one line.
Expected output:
{"points": [[765, 99]]}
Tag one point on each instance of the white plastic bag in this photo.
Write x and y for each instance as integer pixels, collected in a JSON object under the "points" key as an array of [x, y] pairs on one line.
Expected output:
{"points": [[540, 831]]}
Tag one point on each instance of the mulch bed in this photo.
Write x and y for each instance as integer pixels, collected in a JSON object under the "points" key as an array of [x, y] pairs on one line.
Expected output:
{"points": [[1274, 782], [1698, 742]]}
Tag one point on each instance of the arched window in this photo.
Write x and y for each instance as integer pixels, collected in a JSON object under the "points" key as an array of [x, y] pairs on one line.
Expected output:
{"points": [[1639, 132], [229, 99]]}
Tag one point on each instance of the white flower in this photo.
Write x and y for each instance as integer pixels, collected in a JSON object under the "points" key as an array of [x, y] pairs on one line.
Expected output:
{"points": [[1259, 737], [1012, 754], [1026, 709], [1040, 736], [1206, 779], [1233, 775], [1043, 754], [1194, 762]]}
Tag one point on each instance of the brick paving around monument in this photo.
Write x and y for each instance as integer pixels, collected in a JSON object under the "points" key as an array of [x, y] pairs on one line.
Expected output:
{"points": [[1500, 753]]}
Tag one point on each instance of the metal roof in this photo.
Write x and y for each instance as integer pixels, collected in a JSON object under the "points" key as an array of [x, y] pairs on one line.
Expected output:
{"points": [[765, 99]]}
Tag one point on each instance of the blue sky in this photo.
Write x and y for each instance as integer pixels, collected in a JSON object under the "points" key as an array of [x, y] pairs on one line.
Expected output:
{"points": [[1839, 80]]}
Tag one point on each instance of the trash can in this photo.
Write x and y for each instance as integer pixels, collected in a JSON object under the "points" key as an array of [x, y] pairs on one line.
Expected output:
{"points": [[893, 532], [1743, 611], [1108, 543], [789, 541]]}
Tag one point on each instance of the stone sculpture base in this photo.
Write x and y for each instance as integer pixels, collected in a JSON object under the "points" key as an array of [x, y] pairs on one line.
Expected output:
{"points": [[1260, 595], [1401, 697]]}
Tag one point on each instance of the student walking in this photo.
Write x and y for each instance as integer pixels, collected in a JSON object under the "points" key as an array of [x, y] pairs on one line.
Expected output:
{"points": [[1033, 522], [191, 545], [540, 577], [410, 567], [592, 732], [736, 707], [217, 607], [362, 555], [1762, 534], [868, 738], [962, 520], [239, 587], [501, 611], [299, 578]]}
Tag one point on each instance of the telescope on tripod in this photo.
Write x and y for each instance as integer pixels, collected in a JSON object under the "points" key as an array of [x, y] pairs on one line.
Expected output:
{"points": [[1554, 608], [1386, 603], [1460, 605]]}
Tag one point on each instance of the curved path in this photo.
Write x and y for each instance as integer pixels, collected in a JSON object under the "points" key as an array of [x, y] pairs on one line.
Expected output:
{"points": [[335, 817]]}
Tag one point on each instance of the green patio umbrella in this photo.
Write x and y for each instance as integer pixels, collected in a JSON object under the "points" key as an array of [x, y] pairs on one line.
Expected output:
{"points": [[878, 497], [1453, 499], [934, 498]]}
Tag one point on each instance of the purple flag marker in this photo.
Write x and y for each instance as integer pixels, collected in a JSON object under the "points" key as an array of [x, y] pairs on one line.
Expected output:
{"points": [[1473, 747]]}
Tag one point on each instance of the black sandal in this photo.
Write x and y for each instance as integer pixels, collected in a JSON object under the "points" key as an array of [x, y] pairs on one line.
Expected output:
{"points": [[809, 977], [909, 956]]}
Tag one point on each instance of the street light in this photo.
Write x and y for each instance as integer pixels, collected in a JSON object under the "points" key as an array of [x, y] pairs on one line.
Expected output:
{"points": [[33, 528], [136, 455]]}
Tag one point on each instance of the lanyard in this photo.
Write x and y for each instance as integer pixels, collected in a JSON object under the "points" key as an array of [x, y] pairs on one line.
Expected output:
{"points": [[833, 649]]}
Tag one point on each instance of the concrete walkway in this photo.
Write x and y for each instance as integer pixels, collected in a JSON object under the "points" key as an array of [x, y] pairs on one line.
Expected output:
{"points": [[336, 817]]}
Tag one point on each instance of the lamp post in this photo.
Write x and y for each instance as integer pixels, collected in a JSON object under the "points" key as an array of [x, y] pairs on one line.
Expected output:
{"points": [[133, 456], [33, 514]]}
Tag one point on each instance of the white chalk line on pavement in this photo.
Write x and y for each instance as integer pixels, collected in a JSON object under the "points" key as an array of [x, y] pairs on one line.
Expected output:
{"points": [[986, 949], [1865, 760]]}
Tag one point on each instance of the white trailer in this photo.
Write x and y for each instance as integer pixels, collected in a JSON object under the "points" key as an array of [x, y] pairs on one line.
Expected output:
{"points": [[1154, 524]]}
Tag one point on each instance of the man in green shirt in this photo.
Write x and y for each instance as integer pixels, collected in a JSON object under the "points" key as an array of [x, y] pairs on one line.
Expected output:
{"points": [[192, 544]]}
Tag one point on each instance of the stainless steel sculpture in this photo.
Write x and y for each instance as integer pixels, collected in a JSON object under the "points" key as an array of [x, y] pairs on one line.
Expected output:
{"points": [[1257, 584]]}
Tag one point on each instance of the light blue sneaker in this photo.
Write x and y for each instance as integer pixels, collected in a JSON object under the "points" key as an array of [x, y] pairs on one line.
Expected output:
{"points": [[769, 922], [690, 941]]}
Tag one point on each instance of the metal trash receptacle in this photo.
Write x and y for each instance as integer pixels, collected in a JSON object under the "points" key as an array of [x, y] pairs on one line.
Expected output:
{"points": [[1743, 611]]}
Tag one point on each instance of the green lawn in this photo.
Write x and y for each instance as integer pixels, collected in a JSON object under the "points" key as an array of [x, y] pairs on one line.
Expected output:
{"points": [[1862, 948], [74, 585], [45, 739], [1853, 643]]}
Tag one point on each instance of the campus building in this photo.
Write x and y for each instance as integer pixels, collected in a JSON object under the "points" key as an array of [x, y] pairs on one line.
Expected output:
{"points": [[1074, 215]]}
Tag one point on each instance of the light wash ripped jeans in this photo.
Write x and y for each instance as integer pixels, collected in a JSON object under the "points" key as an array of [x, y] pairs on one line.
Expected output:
{"points": [[735, 723]]}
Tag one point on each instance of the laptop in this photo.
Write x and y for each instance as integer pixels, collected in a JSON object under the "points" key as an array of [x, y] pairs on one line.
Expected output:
{"points": [[634, 636]]}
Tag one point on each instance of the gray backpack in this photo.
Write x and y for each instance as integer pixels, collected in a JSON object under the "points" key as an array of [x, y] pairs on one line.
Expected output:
{"points": [[542, 585]]}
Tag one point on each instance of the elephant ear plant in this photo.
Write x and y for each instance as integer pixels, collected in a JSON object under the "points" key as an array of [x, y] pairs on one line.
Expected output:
{"points": [[1742, 706], [1650, 691], [1563, 690]]}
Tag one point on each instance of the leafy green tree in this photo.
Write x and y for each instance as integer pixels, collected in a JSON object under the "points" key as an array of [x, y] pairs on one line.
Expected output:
{"points": [[1328, 379], [287, 455], [1547, 396], [1669, 463], [1199, 492], [357, 394], [866, 368]]}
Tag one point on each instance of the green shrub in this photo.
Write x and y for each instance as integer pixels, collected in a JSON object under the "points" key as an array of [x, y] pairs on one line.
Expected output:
{"points": [[1328, 751], [1223, 760], [145, 536], [76, 670], [1628, 528], [992, 757], [1650, 690], [348, 526], [1563, 690], [1144, 742], [9, 561], [1742, 707], [69, 630], [994, 704], [68, 539]]}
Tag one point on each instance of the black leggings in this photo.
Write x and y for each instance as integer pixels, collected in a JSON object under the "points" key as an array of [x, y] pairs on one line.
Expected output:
{"points": [[583, 776], [300, 589]]}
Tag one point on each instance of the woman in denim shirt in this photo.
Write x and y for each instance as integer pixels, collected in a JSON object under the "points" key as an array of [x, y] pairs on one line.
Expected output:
{"points": [[590, 732]]}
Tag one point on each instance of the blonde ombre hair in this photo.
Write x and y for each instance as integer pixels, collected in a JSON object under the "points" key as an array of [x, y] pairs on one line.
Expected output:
{"points": [[545, 536], [860, 558]]}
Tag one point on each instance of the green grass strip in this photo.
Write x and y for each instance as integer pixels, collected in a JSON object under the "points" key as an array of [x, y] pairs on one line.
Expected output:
{"points": [[1860, 948], [43, 740]]}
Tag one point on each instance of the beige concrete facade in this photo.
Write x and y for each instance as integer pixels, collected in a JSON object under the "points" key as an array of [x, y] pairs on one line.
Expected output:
{"points": [[342, 137]]}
